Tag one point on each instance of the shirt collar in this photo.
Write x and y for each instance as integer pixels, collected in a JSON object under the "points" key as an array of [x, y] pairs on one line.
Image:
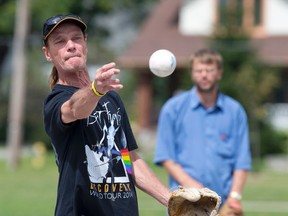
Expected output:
{"points": [[195, 101]]}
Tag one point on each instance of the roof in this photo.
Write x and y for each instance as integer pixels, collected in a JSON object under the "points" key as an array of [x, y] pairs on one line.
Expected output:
{"points": [[160, 31], [273, 50]]}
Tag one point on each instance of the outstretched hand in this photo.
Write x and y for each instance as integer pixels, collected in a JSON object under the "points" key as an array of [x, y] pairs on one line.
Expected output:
{"points": [[105, 81]]}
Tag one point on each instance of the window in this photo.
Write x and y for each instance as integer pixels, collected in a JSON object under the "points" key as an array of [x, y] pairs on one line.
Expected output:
{"points": [[231, 10], [257, 12], [244, 13]]}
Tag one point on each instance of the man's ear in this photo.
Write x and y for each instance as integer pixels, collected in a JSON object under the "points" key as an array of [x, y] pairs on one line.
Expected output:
{"points": [[47, 54]]}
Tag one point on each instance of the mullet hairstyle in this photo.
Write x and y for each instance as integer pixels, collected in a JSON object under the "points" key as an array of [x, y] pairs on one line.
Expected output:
{"points": [[53, 78]]}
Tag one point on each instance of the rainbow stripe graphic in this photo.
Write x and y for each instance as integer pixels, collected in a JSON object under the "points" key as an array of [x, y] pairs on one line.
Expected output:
{"points": [[126, 159]]}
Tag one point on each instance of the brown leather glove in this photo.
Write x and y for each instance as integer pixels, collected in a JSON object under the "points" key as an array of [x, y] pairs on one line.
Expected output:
{"points": [[194, 201]]}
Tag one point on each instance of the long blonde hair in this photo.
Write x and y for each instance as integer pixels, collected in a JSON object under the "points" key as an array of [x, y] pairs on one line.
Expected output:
{"points": [[53, 78]]}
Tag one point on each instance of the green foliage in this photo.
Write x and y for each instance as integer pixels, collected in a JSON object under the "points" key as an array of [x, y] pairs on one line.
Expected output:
{"points": [[129, 82], [7, 17], [249, 81], [161, 89], [88, 10], [3, 117], [41, 10], [275, 142], [3, 129]]}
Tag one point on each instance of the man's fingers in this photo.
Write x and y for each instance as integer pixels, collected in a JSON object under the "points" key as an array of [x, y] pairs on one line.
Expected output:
{"points": [[111, 83], [107, 66], [106, 72], [104, 80]]}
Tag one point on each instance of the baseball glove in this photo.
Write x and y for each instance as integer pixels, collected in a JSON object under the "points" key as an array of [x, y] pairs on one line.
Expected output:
{"points": [[193, 202]]}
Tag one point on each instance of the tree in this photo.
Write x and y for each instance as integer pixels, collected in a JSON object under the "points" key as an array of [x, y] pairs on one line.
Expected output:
{"points": [[18, 81]]}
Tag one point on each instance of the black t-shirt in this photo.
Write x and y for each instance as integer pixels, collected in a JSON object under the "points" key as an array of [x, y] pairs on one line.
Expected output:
{"points": [[95, 173]]}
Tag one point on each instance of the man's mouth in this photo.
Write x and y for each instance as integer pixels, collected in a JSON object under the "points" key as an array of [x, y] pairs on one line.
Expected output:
{"points": [[72, 56]]}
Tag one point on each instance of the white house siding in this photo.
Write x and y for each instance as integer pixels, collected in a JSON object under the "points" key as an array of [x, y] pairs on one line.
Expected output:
{"points": [[196, 17], [276, 17]]}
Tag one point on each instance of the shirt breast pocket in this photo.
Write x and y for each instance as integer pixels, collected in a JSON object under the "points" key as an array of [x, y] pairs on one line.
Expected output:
{"points": [[222, 143], [226, 147]]}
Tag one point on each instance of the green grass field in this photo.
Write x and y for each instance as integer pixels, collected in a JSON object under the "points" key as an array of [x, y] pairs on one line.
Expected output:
{"points": [[31, 191]]}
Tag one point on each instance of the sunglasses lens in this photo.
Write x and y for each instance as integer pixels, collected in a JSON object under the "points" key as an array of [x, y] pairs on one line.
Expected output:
{"points": [[50, 23], [54, 20]]}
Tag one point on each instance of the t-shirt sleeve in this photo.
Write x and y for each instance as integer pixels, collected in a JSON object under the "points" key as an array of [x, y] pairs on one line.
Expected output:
{"points": [[52, 111]]}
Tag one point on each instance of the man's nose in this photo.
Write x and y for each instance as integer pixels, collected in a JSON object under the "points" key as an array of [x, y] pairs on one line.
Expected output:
{"points": [[70, 44], [204, 72]]}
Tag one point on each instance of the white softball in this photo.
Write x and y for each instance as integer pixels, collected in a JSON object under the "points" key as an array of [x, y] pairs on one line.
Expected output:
{"points": [[162, 63]]}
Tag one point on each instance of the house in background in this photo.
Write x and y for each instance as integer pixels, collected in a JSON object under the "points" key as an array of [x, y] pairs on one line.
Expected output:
{"points": [[183, 26]]}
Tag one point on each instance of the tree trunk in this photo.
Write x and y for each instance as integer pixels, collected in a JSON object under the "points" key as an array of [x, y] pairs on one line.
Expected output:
{"points": [[18, 84]]}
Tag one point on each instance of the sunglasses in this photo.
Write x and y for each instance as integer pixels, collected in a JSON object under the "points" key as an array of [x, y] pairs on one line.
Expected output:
{"points": [[52, 22]]}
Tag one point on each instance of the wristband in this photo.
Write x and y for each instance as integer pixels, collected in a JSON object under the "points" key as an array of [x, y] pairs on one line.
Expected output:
{"points": [[236, 195], [95, 91]]}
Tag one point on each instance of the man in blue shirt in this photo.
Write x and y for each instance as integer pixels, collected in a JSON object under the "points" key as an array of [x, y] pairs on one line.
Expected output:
{"points": [[203, 138]]}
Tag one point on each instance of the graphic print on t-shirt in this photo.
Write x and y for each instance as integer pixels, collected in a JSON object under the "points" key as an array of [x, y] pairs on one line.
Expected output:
{"points": [[98, 166], [108, 165]]}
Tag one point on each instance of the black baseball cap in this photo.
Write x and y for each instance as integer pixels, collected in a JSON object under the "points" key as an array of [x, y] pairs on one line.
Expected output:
{"points": [[52, 22]]}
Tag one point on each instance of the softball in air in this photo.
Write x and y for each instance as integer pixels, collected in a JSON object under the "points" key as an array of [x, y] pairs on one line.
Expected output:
{"points": [[162, 63]]}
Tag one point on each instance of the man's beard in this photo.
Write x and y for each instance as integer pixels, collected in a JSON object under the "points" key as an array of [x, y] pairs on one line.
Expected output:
{"points": [[211, 89]]}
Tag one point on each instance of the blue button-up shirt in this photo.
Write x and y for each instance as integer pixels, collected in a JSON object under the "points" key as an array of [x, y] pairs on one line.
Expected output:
{"points": [[209, 143]]}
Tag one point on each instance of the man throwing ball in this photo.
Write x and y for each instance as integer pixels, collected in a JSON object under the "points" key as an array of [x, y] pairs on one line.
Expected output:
{"points": [[90, 132]]}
